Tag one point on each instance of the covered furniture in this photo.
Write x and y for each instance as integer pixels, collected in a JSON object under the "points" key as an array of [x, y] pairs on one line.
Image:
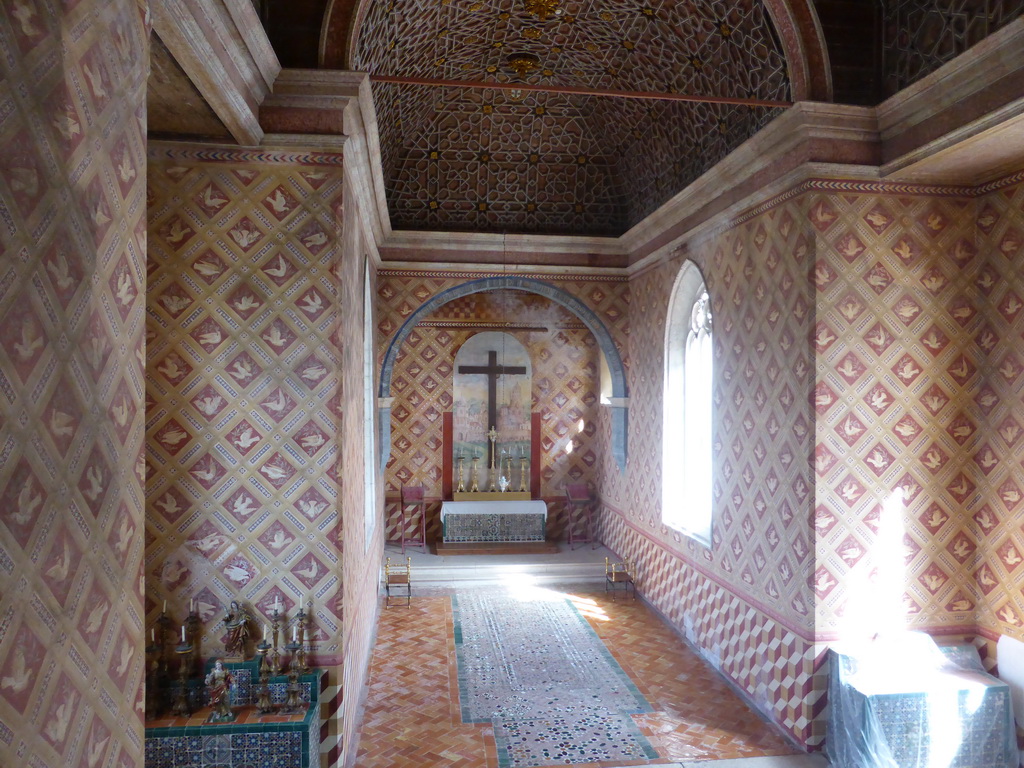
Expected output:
{"points": [[397, 578], [494, 521], [619, 576], [909, 703], [579, 523], [413, 503]]}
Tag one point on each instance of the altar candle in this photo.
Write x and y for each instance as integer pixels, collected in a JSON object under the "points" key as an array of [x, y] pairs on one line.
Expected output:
{"points": [[165, 606], [191, 607], [182, 634], [152, 635], [295, 633], [264, 632]]}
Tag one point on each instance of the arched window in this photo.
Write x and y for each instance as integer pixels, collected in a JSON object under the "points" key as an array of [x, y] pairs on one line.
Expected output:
{"points": [[686, 436]]}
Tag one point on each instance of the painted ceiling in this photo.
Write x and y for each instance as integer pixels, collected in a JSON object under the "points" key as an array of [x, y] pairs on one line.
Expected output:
{"points": [[478, 159]]}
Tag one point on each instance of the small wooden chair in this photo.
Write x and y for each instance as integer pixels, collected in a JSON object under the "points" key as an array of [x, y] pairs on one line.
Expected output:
{"points": [[398, 576], [413, 496], [616, 574], [579, 511]]}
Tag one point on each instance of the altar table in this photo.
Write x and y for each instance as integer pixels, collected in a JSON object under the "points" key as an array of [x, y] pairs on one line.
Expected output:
{"points": [[502, 521]]}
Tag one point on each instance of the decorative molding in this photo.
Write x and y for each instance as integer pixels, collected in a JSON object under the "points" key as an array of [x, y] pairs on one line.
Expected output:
{"points": [[213, 153], [808, 132], [593, 323], [486, 248], [556, 275], [310, 104], [223, 49], [974, 94]]}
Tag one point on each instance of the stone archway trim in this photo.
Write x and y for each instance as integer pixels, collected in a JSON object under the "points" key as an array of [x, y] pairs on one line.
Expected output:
{"points": [[619, 399]]}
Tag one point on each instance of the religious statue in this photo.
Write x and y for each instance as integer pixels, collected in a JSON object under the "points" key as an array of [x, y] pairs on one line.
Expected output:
{"points": [[237, 624], [218, 686]]}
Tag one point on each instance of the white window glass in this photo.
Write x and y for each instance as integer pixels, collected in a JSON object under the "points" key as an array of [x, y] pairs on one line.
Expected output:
{"points": [[687, 408]]}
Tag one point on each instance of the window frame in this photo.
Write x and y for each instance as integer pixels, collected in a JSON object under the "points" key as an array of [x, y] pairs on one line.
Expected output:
{"points": [[676, 443]]}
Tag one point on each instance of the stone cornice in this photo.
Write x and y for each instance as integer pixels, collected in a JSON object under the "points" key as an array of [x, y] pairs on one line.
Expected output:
{"points": [[222, 48], [809, 132], [471, 248], [975, 92], [309, 105]]}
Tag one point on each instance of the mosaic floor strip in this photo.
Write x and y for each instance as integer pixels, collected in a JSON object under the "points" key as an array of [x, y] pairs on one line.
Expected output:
{"points": [[532, 665], [414, 709]]}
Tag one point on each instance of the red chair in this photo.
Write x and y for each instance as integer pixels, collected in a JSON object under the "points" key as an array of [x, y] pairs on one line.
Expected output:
{"points": [[579, 511], [412, 497]]}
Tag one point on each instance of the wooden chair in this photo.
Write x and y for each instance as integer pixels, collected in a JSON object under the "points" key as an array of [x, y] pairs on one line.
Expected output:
{"points": [[579, 511], [619, 575], [397, 576], [412, 497]]}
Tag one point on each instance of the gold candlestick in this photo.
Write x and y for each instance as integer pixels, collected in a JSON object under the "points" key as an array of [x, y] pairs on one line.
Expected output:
{"points": [[492, 475], [462, 485], [474, 483], [522, 474], [263, 703]]}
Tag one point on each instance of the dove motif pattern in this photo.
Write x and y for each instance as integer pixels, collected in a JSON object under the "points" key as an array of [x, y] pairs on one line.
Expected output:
{"points": [[915, 387], [935, 398], [243, 421], [72, 309], [564, 359]]}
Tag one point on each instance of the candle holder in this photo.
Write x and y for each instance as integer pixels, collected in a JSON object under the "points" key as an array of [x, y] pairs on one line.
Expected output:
{"points": [[163, 659], [152, 683], [293, 701], [522, 474], [275, 654], [163, 663], [301, 619], [461, 487], [474, 474], [492, 475], [193, 632], [181, 707], [263, 703]]}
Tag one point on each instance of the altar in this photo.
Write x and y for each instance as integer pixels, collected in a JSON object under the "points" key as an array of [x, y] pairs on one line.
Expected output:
{"points": [[505, 521]]}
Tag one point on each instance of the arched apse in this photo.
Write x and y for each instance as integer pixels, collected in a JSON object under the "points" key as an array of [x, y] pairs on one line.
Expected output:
{"points": [[593, 323]]}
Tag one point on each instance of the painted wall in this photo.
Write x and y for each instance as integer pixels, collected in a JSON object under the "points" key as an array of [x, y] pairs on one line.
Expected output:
{"points": [[998, 400], [361, 542], [746, 603], [243, 412], [72, 272], [898, 427], [566, 375], [867, 353]]}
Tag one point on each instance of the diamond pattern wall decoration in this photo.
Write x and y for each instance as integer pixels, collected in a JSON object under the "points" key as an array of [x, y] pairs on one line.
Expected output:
{"points": [[243, 357], [563, 353], [72, 198]]}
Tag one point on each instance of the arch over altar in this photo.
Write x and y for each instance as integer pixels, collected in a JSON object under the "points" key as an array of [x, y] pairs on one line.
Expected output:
{"points": [[617, 373]]}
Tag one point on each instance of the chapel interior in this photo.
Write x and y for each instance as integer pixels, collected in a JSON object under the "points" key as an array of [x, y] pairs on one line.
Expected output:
{"points": [[244, 241]]}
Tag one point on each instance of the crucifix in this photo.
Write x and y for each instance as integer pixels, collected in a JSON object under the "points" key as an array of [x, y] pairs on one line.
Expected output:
{"points": [[492, 370]]}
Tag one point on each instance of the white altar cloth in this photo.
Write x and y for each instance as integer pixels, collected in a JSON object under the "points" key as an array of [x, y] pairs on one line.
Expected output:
{"points": [[528, 507], [493, 521]]}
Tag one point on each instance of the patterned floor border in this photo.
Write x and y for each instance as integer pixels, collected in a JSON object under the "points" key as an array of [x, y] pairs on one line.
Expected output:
{"points": [[554, 731]]}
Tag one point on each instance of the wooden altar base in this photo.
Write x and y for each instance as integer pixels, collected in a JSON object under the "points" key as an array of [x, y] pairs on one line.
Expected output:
{"points": [[496, 548]]}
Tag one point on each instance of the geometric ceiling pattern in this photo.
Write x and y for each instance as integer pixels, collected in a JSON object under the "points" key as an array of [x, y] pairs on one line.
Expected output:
{"points": [[921, 35], [553, 163]]}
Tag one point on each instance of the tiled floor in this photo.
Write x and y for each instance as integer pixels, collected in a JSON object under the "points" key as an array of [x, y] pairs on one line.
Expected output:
{"points": [[413, 715]]}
